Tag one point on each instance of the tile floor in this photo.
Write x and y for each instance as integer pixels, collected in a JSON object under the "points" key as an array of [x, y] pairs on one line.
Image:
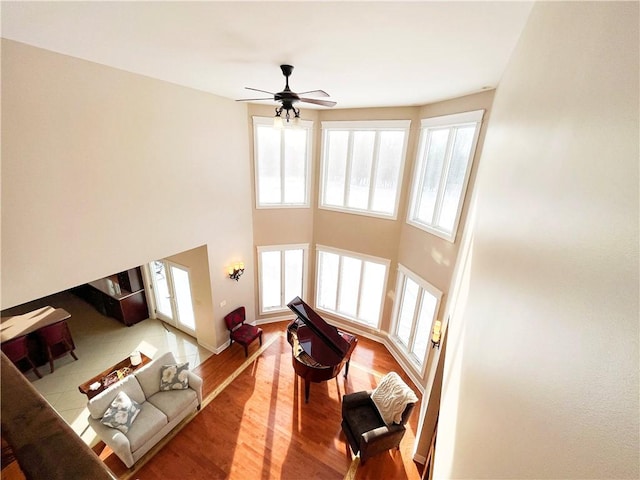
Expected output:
{"points": [[101, 342]]}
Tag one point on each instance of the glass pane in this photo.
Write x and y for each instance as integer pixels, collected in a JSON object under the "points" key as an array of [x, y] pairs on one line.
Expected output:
{"points": [[349, 286], [361, 161], [407, 310], [183, 297], [293, 265], [437, 146], [371, 293], [460, 158], [163, 298], [423, 331], [388, 174], [270, 278], [268, 158], [295, 165], [327, 280], [337, 146]]}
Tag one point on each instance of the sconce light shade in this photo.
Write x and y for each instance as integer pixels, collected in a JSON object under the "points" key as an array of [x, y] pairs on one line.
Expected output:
{"points": [[436, 334], [236, 271]]}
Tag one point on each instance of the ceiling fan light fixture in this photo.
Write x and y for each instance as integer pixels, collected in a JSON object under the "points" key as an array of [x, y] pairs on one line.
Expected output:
{"points": [[277, 120]]}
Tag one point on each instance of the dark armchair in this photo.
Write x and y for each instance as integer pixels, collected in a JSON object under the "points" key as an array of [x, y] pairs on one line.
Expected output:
{"points": [[241, 332], [366, 431]]}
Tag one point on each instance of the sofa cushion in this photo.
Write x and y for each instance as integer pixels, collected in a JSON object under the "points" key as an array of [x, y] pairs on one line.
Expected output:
{"points": [[149, 375], [173, 403], [99, 404], [149, 422], [174, 377], [121, 413]]}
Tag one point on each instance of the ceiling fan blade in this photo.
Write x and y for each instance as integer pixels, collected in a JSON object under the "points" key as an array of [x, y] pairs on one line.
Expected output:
{"points": [[325, 103], [317, 93], [258, 90], [253, 99]]}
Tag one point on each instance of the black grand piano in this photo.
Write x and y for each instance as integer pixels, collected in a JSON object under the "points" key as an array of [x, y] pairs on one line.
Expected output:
{"points": [[319, 350]]}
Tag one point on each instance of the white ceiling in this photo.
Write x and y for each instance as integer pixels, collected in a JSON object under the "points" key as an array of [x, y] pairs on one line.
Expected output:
{"points": [[364, 54]]}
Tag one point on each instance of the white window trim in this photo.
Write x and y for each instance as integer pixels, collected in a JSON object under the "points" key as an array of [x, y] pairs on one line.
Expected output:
{"points": [[457, 119], [306, 124], [364, 125], [305, 272], [359, 256], [404, 272]]}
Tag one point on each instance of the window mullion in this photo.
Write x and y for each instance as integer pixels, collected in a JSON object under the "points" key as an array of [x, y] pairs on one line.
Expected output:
{"points": [[402, 288], [360, 288], [282, 277], [282, 165], [347, 174], [414, 322], [442, 186], [374, 170], [423, 172], [338, 282]]}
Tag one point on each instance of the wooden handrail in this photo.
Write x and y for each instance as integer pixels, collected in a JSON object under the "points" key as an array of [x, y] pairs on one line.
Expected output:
{"points": [[43, 443]]}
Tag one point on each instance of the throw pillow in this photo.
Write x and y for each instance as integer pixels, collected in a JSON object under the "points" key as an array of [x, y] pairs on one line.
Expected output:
{"points": [[121, 413], [174, 377], [391, 397]]}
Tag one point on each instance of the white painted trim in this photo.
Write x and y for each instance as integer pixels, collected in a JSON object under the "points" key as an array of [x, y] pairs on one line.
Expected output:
{"points": [[216, 351], [364, 125], [360, 256], [265, 321], [446, 121], [305, 125], [282, 248]]}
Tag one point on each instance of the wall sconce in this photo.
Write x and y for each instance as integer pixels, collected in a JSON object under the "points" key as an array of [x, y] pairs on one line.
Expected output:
{"points": [[236, 271], [436, 334]]}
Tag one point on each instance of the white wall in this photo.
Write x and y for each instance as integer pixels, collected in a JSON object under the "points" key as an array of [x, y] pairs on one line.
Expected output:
{"points": [[103, 170], [541, 370]]}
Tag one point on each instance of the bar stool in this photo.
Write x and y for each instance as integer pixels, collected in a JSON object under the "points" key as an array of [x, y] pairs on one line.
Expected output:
{"points": [[57, 341], [16, 350]]}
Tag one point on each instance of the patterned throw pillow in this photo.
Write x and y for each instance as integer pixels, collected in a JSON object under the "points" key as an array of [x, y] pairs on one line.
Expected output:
{"points": [[121, 413], [391, 397], [174, 377]]}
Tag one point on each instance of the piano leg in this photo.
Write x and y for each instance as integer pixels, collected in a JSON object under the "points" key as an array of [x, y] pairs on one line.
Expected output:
{"points": [[307, 387], [346, 369]]}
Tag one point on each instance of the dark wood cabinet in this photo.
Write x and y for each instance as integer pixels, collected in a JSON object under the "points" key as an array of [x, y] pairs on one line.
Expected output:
{"points": [[131, 280], [120, 296]]}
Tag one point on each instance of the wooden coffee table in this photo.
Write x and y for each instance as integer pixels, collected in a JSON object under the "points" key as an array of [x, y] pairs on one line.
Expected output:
{"points": [[111, 375]]}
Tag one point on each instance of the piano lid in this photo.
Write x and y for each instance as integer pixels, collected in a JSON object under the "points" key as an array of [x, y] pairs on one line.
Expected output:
{"points": [[328, 333]]}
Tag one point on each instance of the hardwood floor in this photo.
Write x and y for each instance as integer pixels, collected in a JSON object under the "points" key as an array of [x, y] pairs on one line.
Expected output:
{"points": [[258, 426]]}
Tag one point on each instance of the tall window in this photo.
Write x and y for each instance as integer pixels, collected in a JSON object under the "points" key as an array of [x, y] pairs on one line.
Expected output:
{"points": [[282, 163], [416, 310], [351, 285], [283, 273], [445, 156], [362, 166]]}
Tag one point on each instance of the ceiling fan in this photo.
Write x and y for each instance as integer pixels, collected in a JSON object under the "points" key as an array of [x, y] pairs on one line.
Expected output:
{"points": [[287, 98]]}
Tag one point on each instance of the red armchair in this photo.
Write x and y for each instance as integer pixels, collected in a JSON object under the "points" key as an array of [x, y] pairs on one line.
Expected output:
{"points": [[241, 332], [57, 340], [16, 350]]}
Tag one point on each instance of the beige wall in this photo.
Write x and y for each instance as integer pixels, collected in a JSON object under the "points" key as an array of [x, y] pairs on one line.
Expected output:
{"points": [[541, 370], [103, 170], [430, 257]]}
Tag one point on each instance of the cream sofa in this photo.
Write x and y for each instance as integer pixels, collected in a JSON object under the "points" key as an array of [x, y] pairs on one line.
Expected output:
{"points": [[160, 411]]}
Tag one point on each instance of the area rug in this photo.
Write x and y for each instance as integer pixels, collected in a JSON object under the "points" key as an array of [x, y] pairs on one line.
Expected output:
{"points": [[257, 425]]}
